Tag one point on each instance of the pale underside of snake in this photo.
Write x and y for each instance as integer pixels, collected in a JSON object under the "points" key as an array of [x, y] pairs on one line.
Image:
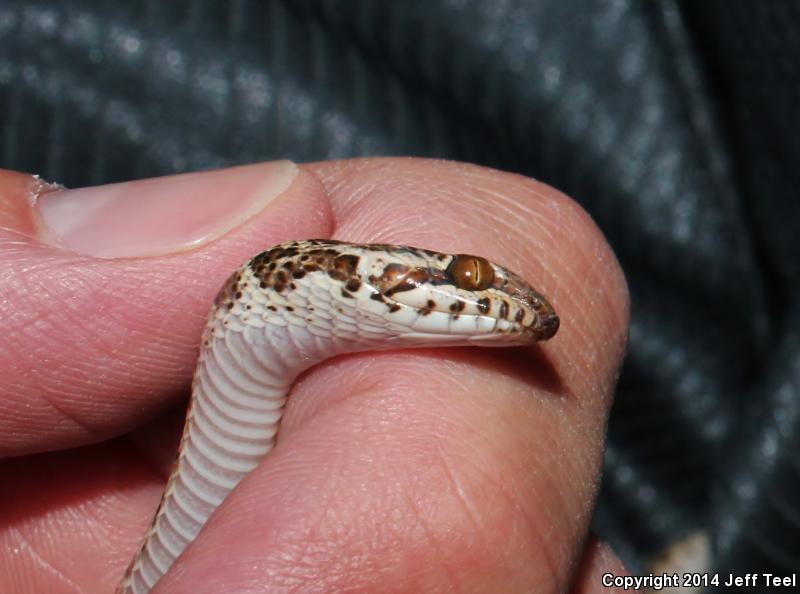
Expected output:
{"points": [[292, 307]]}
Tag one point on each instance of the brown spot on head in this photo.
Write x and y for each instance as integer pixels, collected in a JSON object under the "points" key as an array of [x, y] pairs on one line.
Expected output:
{"points": [[337, 274], [428, 308], [353, 284], [398, 277], [504, 310], [226, 294], [281, 280], [393, 273], [457, 306], [347, 263]]}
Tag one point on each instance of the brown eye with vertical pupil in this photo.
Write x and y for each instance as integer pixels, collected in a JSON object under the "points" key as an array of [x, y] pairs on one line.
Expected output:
{"points": [[471, 273]]}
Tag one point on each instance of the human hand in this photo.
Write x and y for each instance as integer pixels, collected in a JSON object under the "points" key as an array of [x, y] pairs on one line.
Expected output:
{"points": [[468, 470]]}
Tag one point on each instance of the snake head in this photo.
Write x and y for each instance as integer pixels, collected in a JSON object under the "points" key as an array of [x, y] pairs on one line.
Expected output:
{"points": [[404, 292], [461, 296]]}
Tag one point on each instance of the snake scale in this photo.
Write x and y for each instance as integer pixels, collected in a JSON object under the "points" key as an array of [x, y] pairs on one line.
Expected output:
{"points": [[292, 307]]}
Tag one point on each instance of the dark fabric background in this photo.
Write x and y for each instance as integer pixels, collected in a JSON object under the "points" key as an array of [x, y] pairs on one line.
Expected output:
{"points": [[674, 124]]}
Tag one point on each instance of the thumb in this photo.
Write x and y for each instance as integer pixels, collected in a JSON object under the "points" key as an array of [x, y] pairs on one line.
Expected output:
{"points": [[104, 291]]}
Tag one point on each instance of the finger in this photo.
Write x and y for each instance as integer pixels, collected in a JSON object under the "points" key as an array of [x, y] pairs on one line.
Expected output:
{"points": [[598, 569], [105, 291], [66, 517], [442, 469]]}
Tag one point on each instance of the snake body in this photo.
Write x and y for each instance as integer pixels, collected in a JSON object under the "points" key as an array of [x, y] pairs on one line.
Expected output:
{"points": [[292, 307]]}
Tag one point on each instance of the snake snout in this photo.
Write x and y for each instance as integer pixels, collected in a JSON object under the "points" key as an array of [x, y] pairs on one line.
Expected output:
{"points": [[548, 325]]}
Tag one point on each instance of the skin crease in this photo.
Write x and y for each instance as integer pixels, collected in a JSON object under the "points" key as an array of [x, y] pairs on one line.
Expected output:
{"points": [[438, 470]]}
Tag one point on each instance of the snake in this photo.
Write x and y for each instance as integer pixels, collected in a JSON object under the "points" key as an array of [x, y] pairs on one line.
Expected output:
{"points": [[290, 308]]}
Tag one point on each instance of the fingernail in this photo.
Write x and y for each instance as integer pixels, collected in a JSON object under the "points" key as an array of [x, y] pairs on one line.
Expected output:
{"points": [[161, 215]]}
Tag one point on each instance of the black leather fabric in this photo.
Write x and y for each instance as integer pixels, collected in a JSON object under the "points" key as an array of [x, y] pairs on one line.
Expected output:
{"points": [[674, 124]]}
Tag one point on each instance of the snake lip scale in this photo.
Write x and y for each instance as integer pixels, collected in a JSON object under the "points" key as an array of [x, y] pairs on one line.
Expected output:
{"points": [[292, 307]]}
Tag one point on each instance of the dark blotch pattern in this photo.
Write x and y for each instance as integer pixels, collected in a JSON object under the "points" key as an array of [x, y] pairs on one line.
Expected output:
{"points": [[427, 308], [457, 307], [278, 267], [226, 295], [504, 310], [398, 277]]}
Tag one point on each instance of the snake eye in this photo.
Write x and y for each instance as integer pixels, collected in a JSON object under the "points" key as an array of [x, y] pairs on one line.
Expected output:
{"points": [[471, 273]]}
